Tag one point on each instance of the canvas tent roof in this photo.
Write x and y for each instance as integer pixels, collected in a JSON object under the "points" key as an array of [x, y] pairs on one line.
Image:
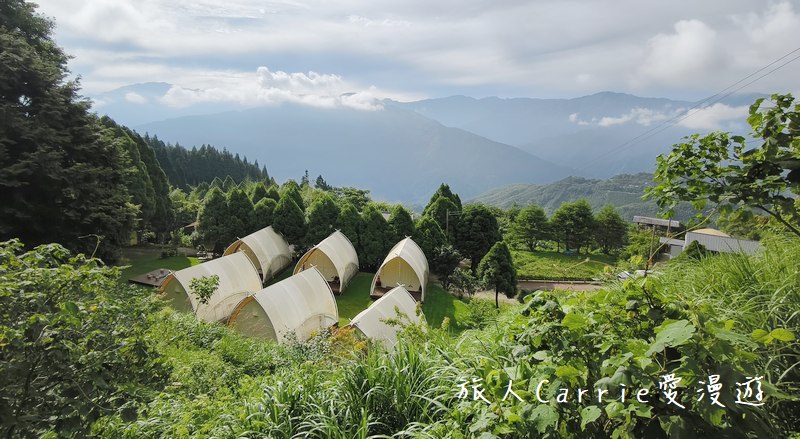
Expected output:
{"points": [[267, 250], [237, 278], [333, 256], [302, 304], [393, 273], [372, 321]]}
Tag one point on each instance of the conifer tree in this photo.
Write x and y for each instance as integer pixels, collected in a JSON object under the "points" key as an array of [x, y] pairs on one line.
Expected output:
{"points": [[350, 223], [263, 213], [496, 270], [289, 221], [400, 224], [323, 219]]}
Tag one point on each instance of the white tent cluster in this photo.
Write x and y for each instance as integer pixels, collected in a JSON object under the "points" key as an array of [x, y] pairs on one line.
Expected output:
{"points": [[334, 257], [384, 318], [300, 305], [237, 279], [267, 250], [405, 265]]}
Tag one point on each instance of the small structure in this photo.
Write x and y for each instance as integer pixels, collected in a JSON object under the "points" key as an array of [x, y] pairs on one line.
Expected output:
{"points": [[237, 279], [405, 265], [665, 224], [302, 304], [713, 240], [334, 257], [152, 279], [267, 250], [398, 305]]}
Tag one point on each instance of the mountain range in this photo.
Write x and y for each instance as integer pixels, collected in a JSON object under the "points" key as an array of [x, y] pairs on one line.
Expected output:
{"points": [[404, 151]]}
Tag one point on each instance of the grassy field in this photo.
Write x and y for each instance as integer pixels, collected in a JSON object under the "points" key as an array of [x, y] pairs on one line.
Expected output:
{"points": [[438, 302], [144, 260], [552, 265]]}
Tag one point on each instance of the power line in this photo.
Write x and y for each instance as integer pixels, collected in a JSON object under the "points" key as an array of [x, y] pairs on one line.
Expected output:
{"points": [[699, 106]]}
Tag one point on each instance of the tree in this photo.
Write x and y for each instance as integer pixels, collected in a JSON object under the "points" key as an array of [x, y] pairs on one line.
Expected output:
{"points": [[289, 221], [444, 260], [444, 191], [400, 223], [497, 271], [446, 213], [241, 218], [203, 288], [292, 190], [60, 180], [263, 213], [573, 224], [73, 343], [350, 223], [611, 230], [463, 282], [373, 238], [229, 184], [428, 235], [723, 169], [476, 233], [272, 192], [530, 226], [357, 197], [323, 219], [321, 184], [212, 220], [259, 192]]}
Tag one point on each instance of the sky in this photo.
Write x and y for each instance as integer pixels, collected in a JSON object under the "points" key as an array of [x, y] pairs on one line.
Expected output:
{"points": [[353, 53]]}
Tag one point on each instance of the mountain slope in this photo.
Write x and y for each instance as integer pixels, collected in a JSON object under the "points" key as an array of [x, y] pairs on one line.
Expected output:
{"points": [[598, 135], [622, 191], [398, 154]]}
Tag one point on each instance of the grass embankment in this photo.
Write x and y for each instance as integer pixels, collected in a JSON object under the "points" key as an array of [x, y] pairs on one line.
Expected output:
{"points": [[558, 266]]}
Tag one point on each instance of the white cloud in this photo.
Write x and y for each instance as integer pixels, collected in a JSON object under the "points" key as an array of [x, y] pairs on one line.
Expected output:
{"points": [[268, 87], [690, 52], [135, 98], [714, 117]]}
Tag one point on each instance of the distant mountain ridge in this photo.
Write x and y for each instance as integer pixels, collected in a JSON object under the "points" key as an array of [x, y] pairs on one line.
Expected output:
{"points": [[621, 191], [398, 154]]}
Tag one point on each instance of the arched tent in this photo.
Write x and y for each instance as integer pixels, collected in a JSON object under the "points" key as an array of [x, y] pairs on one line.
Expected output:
{"points": [[405, 265], [372, 321], [267, 249], [237, 278], [302, 304], [335, 258]]}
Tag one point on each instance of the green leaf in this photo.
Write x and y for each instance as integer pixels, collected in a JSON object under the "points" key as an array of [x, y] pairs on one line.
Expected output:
{"points": [[544, 416], [782, 334], [567, 372], [673, 334], [615, 409], [589, 414], [760, 336], [574, 321]]}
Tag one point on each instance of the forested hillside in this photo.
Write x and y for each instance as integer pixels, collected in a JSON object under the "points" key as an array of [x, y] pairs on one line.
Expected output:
{"points": [[624, 192], [190, 167]]}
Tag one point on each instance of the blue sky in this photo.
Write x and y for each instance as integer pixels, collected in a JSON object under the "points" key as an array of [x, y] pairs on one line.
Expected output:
{"points": [[254, 52]]}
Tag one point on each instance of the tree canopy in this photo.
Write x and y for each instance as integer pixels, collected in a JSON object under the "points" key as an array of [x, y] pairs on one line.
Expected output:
{"points": [[496, 271], [530, 226], [573, 224], [727, 171], [476, 233]]}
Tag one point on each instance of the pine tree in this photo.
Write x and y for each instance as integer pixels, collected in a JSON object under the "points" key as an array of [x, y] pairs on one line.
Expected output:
{"points": [[259, 192], [350, 223], [496, 270], [272, 192], [241, 221], [60, 181], [446, 213], [289, 221], [429, 236], [400, 223], [263, 213], [476, 233], [292, 190], [212, 221], [323, 219], [374, 238]]}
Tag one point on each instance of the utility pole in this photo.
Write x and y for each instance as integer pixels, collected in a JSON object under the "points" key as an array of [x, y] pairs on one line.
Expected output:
{"points": [[447, 221]]}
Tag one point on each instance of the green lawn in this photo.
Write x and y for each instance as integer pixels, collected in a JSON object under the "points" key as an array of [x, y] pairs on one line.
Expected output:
{"points": [[144, 260], [440, 304], [355, 298], [552, 265]]}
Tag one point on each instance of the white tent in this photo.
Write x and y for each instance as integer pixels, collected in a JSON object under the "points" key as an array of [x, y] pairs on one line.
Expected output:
{"points": [[405, 265], [372, 321], [335, 258], [237, 278], [302, 304], [267, 249]]}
